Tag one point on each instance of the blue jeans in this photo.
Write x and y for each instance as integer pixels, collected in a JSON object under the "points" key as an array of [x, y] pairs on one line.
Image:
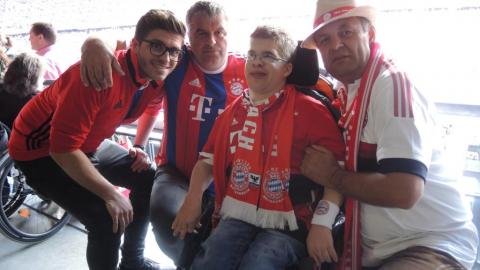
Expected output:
{"points": [[235, 244]]}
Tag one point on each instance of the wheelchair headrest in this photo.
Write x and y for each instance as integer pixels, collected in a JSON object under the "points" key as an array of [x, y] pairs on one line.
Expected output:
{"points": [[306, 69]]}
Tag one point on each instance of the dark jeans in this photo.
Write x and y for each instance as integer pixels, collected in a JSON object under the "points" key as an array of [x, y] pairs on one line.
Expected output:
{"points": [[113, 162], [237, 245], [168, 193]]}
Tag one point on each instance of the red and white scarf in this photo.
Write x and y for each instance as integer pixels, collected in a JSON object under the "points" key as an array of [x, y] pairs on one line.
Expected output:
{"points": [[257, 189], [353, 120]]}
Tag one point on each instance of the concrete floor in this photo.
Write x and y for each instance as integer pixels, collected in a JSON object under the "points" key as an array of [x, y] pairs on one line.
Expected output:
{"points": [[64, 251]]}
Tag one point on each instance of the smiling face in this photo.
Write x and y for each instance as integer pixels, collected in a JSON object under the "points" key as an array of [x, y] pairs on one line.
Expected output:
{"points": [[265, 71], [154, 67], [345, 47], [208, 40]]}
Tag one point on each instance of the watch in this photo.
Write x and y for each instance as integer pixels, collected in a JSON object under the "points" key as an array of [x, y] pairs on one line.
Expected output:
{"points": [[139, 146]]}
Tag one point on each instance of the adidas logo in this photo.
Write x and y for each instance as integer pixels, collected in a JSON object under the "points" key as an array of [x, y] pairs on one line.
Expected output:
{"points": [[195, 83]]}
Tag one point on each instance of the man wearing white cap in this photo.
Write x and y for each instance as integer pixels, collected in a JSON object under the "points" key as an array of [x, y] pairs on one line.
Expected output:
{"points": [[397, 217]]}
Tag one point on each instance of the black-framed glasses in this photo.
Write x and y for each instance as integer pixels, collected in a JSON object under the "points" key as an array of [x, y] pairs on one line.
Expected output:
{"points": [[158, 48], [265, 57]]}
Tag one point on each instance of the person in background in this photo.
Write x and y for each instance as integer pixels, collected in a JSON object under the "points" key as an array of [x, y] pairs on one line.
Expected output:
{"points": [[206, 80], [43, 37], [5, 58], [397, 217], [22, 81], [59, 141]]}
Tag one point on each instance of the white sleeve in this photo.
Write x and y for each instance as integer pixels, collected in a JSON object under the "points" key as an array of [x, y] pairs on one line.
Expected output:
{"points": [[400, 120]]}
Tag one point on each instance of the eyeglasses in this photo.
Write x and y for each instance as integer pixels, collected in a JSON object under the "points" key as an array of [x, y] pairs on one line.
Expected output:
{"points": [[264, 57], [158, 48]]}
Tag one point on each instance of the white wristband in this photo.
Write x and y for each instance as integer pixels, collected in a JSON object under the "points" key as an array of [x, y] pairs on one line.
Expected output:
{"points": [[325, 213]]}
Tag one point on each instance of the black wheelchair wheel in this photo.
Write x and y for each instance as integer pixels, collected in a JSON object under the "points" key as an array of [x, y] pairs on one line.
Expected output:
{"points": [[25, 216]]}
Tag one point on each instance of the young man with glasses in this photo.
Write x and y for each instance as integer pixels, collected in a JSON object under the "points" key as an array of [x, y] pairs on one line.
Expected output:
{"points": [[58, 141], [159, 48], [206, 80], [267, 209]]}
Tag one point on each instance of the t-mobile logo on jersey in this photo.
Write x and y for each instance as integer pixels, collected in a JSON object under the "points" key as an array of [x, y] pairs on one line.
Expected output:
{"points": [[200, 107]]}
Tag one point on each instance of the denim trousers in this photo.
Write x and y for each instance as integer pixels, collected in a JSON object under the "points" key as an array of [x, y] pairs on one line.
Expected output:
{"points": [[113, 162], [235, 244]]}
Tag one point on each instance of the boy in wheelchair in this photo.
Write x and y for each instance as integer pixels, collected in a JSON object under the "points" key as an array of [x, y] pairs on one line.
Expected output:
{"points": [[266, 210]]}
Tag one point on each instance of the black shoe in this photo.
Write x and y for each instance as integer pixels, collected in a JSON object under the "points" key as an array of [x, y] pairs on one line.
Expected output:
{"points": [[147, 265]]}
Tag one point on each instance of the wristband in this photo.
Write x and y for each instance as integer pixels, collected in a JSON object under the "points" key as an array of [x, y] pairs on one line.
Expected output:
{"points": [[139, 146], [325, 214]]}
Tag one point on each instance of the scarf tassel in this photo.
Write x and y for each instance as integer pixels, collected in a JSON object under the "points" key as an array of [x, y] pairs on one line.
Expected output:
{"points": [[233, 208]]}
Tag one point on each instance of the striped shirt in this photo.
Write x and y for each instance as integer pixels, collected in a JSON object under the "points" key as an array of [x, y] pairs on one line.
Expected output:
{"points": [[194, 98]]}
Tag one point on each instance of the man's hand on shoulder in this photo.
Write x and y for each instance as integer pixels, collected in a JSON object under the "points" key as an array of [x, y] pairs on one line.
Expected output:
{"points": [[96, 64]]}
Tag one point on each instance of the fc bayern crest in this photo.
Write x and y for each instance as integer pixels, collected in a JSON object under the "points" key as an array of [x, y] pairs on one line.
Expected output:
{"points": [[239, 180], [275, 184], [236, 86], [322, 208]]}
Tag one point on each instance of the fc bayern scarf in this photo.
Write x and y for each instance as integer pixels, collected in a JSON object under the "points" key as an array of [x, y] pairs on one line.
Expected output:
{"points": [[353, 120], [257, 189]]}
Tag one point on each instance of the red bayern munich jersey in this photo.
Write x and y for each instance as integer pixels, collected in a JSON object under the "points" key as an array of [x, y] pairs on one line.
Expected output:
{"points": [[194, 99], [68, 116]]}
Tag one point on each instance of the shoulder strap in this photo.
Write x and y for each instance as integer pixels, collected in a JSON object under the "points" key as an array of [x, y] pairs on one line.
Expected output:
{"points": [[322, 97]]}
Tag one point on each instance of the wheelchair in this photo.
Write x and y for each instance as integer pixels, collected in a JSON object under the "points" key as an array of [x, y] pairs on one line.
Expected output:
{"points": [[25, 216]]}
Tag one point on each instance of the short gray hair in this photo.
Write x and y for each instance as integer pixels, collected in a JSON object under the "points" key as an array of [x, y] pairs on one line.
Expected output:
{"points": [[23, 75], [210, 8], [286, 45]]}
